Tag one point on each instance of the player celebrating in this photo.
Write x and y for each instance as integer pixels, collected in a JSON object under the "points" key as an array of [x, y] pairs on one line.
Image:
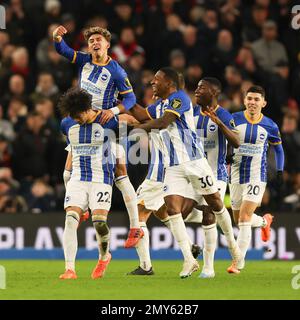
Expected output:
{"points": [[185, 163], [248, 175], [92, 177], [104, 79], [215, 126]]}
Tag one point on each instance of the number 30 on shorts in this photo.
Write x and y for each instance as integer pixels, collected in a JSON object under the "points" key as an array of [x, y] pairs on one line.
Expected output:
{"points": [[206, 181], [253, 190], [103, 197]]}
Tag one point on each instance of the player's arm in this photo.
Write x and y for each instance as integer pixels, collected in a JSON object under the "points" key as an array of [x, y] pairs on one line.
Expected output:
{"points": [[130, 120], [125, 90], [275, 140], [68, 168], [139, 113], [160, 123], [63, 49], [231, 135]]}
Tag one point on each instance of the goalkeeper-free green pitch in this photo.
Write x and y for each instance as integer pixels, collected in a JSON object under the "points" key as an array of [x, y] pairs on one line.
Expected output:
{"points": [[37, 279]]}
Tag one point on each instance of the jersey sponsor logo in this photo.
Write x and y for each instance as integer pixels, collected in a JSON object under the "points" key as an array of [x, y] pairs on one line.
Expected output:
{"points": [[250, 150], [86, 150], [176, 104], [212, 127], [127, 82], [209, 144]]}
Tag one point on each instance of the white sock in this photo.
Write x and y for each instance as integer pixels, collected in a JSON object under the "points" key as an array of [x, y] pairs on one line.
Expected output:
{"points": [[143, 249], [257, 221], [210, 244], [244, 237], [180, 234], [129, 196], [166, 222], [195, 216], [224, 221], [70, 239]]}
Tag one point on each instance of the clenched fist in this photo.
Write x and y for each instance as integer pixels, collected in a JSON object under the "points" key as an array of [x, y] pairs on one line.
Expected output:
{"points": [[58, 33]]}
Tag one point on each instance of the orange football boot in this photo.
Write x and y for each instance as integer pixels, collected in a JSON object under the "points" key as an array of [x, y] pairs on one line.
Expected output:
{"points": [[266, 231], [135, 234], [68, 274], [100, 268]]}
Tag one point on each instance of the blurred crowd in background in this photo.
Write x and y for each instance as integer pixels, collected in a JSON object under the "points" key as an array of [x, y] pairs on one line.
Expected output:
{"points": [[240, 42]]}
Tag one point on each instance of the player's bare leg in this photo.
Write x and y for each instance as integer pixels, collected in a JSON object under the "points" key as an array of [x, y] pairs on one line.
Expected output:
{"points": [[99, 218], [70, 243], [123, 183], [174, 205]]}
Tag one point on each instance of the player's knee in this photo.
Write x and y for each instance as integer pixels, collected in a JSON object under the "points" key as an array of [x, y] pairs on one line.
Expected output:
{"points": [[71, 216], [208, 218], [188, 206], [100, 225]]}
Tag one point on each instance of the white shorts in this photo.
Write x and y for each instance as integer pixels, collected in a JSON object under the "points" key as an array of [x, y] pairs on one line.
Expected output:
{"points": [[150, 194], [191, 194], [248, 191], [198, 173], [86, 195]]}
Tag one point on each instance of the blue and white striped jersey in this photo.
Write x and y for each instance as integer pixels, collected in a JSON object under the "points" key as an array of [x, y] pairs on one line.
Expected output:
{"points": [[179, 139], [213, 139], [156, 166], [103, 81], [250, 159], [93, 157]]}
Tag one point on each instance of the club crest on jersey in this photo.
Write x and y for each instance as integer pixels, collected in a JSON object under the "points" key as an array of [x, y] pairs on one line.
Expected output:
{"points": [[97, 134], [232, 123], [176, 104], [127, 82], [67, 199], [104, 77], [165, 188], [262, 136], [212, 127]]}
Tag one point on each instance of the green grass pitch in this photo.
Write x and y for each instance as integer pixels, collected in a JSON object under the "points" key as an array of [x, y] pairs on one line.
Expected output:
{"points": [[37, 279]]}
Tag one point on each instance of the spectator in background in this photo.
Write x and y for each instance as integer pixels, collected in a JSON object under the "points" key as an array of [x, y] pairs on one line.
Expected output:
{"points": [[45, 88], [252, 30], [45, 108], [194, 72], [16, 89], [5, 152], [41, 197], [16, 113], [6, 127], [223, 54], [33, 149], [178, 61], [126, 47], [134, 70], [232, 90]]}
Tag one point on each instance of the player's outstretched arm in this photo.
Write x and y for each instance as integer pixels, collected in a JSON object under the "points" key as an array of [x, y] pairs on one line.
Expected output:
{"points": [[160, 123]]}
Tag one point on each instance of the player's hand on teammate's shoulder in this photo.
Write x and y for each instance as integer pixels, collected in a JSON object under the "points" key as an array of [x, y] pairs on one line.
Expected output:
{"points": [[58, 33], [105, 116]]}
